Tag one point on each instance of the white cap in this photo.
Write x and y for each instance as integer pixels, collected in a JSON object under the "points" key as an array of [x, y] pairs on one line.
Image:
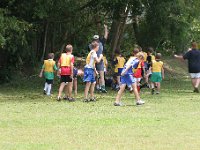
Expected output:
{"points": [[96, 37]]}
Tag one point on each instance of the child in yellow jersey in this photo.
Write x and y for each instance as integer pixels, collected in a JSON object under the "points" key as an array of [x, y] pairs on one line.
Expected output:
{"points": [[66, 65], [157, 73], [119, 62], [150, 58], [48, 68]]}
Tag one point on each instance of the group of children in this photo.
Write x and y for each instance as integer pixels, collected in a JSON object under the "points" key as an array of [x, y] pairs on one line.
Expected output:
{"points": [[141, 65]]}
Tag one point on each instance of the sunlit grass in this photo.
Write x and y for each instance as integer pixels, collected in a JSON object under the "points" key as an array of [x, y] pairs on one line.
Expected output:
{"points": [[30, 120]]}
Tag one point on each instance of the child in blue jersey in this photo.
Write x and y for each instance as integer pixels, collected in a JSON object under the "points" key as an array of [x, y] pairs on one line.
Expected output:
{"points": [[128, 79]]}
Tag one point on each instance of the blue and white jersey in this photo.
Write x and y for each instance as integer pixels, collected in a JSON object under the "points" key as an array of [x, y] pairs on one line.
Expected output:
{"points": [[133, 62]]}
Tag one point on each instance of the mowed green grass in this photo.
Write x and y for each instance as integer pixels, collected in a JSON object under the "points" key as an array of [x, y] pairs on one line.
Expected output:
{"points": [[31, 121]]}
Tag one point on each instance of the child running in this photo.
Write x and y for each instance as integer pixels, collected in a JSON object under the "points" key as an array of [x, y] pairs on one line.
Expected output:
{"points": [[48, 68], [157, 73], [128, 79], [66, 66], [90, 70]]}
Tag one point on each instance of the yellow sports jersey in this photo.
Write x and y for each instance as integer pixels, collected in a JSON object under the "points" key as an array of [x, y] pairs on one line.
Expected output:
{"points": [[157, 66], [120, 63], [153, 57], [65, 60], [145, 56], [105, 61], [90, 59], [49, 65]]}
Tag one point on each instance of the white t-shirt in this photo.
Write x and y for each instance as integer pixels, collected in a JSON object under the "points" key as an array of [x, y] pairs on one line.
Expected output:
{"points": [[92, 56]]}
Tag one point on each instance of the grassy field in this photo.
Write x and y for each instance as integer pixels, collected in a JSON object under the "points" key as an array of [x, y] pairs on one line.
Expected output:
{"points": [[31, 121]]}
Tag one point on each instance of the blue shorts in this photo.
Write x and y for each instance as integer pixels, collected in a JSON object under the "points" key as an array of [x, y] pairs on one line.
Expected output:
{"points": [[89, 75], [120, 71], [75, 72], [127, 79]]}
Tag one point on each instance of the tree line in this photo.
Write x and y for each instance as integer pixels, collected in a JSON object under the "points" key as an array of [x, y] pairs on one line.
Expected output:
{"points": [[31, 29]]}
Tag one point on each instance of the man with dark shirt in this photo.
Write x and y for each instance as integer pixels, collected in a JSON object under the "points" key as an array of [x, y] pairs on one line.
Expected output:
{"points": [[193, 57], [100, 66]]}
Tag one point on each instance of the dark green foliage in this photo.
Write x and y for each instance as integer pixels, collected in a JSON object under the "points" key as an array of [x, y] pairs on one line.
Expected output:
{"points": [[29, 30]]}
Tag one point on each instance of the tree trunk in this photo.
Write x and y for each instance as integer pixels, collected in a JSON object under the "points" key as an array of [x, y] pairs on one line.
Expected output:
{"points": [[122, 28], [45, 40], [118, 27], [136, 29]]}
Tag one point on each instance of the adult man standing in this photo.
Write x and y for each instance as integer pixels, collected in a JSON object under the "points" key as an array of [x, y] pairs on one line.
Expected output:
{"points": [[100, 66], [193, 57]]}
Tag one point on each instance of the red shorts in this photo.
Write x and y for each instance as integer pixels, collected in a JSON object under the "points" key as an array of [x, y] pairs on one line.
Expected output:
{"points": [[65, 71]]}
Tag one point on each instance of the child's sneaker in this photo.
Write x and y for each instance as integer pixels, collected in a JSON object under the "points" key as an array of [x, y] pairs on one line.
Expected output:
{"points": [[44, 92], [117, 104], [103, 91], [152, 91], [86, 100], [196, 90], [71, 99], [66, 98], [140, 102], [58, 98], [93, 99], [157, 92]]}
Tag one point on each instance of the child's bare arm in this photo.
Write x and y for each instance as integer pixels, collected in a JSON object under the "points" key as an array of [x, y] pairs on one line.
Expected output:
{"points": [[72, 69], [179, 57], [163, 73], [99, 59], [123, 73], [41, 72]]}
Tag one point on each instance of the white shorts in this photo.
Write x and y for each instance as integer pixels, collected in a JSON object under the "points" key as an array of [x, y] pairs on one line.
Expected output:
{"points": [[195, 75]]}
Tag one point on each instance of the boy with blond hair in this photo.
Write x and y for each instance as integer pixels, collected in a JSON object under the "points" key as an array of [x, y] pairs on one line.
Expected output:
{"points": [[128, 79]]}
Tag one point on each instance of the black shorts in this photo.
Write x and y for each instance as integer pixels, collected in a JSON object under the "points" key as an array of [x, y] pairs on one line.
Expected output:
{"points": [[65, 78], [48, 81]]}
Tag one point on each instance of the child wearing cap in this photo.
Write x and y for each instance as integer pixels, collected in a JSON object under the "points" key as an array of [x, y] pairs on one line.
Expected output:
{"points": [[48, 68], [90, 70], [157, 73]]}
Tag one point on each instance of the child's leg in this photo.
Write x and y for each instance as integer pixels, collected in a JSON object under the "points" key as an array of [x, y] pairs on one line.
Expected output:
{"points": [[45, 86], [118, 80], [62, 85], [158, 86], [137, 96], [66, 89], [69, 87], [75, 86], [102, 80], [49, 89], [119, 94], [87, 87], [92, 90]]}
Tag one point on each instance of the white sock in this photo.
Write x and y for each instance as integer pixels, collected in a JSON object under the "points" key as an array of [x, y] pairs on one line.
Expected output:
{"points": [[49, 89], [152, 86], [45, 86]]}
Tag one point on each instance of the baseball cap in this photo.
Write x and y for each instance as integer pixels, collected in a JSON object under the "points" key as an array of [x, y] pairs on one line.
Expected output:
{"points": [[96, 37]]}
